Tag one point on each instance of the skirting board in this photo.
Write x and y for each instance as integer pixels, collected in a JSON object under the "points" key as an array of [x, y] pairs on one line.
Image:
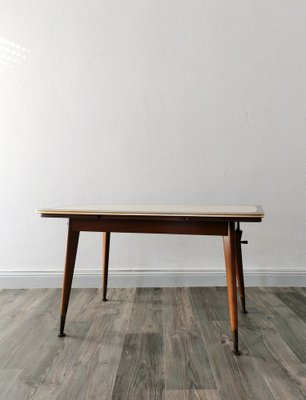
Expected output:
{"points": [[150, 278]]}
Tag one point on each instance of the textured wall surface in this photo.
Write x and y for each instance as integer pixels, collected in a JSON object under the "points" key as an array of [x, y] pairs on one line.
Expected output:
{"points": [[142, 101]]}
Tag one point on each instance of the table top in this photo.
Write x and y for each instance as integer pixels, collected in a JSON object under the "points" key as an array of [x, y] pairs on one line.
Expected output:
{"points": [[245, 211]]}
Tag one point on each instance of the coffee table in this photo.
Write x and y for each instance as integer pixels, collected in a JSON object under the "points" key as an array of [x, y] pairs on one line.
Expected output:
{"points": [[163, 219]]}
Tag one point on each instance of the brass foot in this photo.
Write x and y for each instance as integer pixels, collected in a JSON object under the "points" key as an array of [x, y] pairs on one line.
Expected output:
{"points": [[235, 342], [242, 300], [62, 326]]}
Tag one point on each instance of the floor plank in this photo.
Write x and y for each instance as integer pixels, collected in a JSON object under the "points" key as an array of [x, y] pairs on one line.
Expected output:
{"points": [[192, 395], [140, 373], [295, 301], [146, 315], [186, 360]]}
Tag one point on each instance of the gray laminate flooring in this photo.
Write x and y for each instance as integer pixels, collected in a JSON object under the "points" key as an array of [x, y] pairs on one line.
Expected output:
{"points": [[152, 343]]}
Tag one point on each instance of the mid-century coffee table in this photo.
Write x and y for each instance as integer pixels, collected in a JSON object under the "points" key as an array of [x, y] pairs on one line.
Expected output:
{"points": [[188, 220]]}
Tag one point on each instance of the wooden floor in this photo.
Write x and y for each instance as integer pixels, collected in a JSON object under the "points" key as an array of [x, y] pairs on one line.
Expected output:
{"points": [[170, 343]]}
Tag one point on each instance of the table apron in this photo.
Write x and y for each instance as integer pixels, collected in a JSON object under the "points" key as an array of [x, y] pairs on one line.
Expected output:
{"points": [[187, 227]]}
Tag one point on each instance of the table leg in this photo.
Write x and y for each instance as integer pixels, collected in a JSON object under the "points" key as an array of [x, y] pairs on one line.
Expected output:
{"points": [[230, 264], [239, 269], [106, 242], [72, 246]]}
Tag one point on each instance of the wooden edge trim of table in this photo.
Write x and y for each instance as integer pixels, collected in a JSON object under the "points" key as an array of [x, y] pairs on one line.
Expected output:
{"points": [[66, 212]]}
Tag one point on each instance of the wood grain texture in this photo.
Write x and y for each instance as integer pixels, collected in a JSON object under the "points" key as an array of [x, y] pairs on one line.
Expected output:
{"points": [[140, 373], [295, 301], [152, 343], [78, 371], [219, 347], [192, 395], [186, 361], [146, 314]]}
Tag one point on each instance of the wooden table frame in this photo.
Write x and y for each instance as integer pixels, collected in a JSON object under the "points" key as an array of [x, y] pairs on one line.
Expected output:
{"points": [[227, 227]]}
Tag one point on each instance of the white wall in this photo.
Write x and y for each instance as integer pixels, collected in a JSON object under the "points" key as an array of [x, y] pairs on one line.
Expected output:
{"points": [[150, 101]]}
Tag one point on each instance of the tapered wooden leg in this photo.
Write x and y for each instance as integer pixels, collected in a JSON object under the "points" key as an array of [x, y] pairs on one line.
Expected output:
{"points": [[72, 246], [106, 243], [239, 269], [230, 264]]}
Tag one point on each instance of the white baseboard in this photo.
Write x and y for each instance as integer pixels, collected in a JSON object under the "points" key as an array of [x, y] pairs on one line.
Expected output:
{"points": [[151, 278]]}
